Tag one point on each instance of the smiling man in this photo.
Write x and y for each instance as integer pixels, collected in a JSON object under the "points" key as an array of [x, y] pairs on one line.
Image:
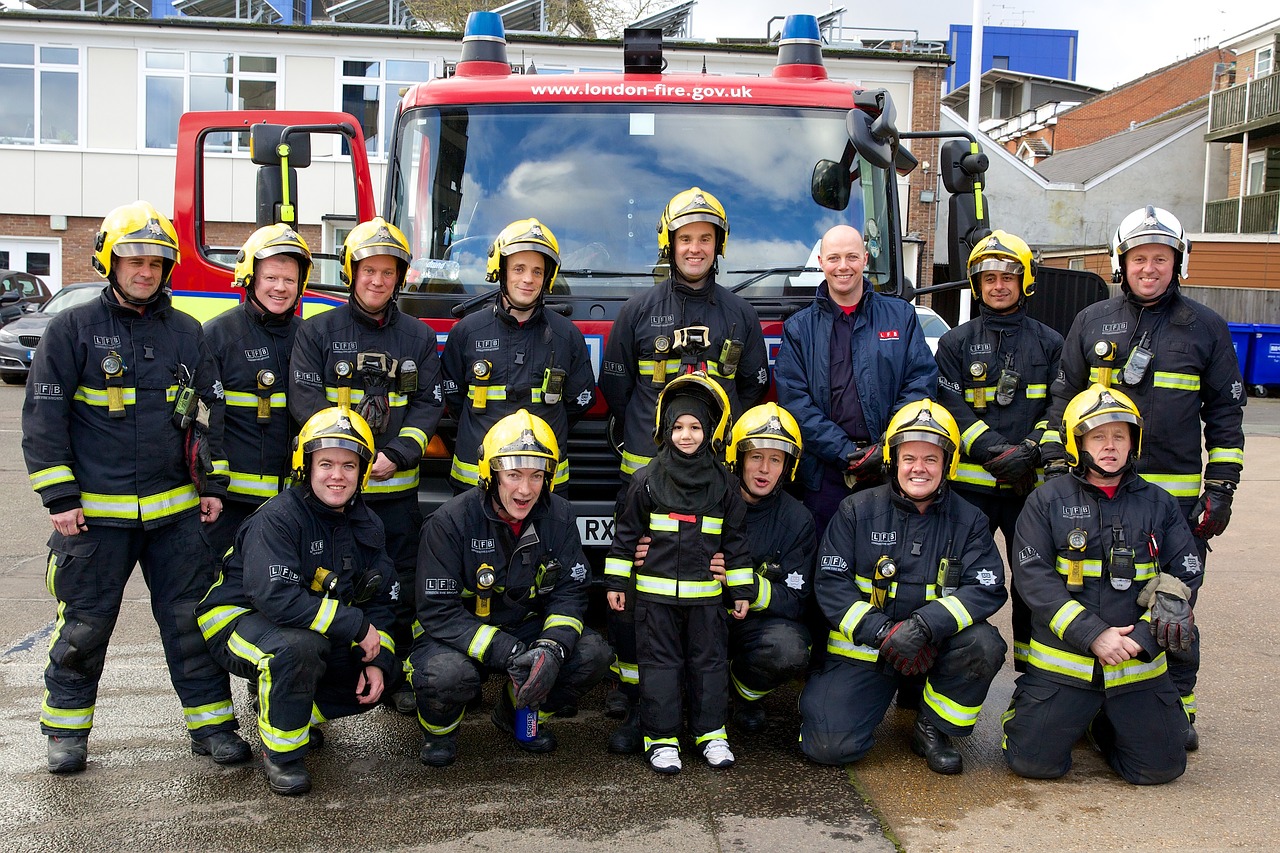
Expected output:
{"points": [[993, 376], [907, 576], [1173, 357]]}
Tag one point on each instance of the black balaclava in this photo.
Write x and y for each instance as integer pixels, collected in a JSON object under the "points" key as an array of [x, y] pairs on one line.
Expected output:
{"points": [[686, 482]]}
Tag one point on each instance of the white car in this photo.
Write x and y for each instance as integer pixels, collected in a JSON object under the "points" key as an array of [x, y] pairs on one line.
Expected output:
{"points": [[933, 326]]}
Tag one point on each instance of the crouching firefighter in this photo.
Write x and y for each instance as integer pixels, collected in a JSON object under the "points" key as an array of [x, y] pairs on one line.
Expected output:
{"points": [[502, 587], [1107, 565], [908, 574], [304, 603]]}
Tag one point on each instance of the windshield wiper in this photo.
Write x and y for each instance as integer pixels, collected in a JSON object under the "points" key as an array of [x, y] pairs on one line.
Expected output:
{"points": [[586, 273], [763, 274]]}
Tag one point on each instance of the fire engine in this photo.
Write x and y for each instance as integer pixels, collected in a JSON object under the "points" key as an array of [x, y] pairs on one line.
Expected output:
{"points": [[596, 156]]}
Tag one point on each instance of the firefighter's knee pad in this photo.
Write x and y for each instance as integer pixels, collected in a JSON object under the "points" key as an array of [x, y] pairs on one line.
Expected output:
{"points": [[81, 645], [977, 652], [448, 678], [591, 659], [782, 652], [303, 653]]}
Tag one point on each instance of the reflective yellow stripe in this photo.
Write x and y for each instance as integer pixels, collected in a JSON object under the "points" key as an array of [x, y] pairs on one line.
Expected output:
{"points": [[679, 589], [1061, 662], [46, 477], [651, 742], [465, 472], [1037, 392], [109, 506], [401, 481], [1066, 614], [556, 620], [1178, 485], [764, 594], [168, 503], [633, 462], [491, 392], [387, 642], [963, 716], [416, 434], [221, 466], [218, 618], [852, 616], [1051, 436], [562, 472], [957, 609], [837, 644], [663, 523], [1133, 671], [323, 620], [711, 525], [1226, 454], [254, 485], [646, 366], [1146, 570], [988, 393], [75, 719], [617, 567], [628, 673], [746, 692], [243, 399], [1021, 651], [968, 436], [208, 715], [975, 475], [447, 728], [1176, 381], [98, 396], [739, 577], [718, 734], [481, 641]]}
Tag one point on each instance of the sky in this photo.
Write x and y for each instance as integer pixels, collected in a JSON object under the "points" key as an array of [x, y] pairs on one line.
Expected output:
{"points": [[1119, 41]]}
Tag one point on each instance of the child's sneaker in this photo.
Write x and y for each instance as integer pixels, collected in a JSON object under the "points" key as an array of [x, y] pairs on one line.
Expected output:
{"points": [[666, 759], [717, 754]]}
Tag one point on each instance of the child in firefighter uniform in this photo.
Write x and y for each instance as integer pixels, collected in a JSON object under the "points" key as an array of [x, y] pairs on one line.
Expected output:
{"points": [[907, 576], [369, 357], [1107, 565], [252, 344], [303, 605], [502, 587], [771, 645], [688, 504], [117, 404], [993, 377], [515, 354]]}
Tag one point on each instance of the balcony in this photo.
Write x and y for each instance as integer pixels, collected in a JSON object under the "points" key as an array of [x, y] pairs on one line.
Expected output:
{"points": [[1248, 107], [1254, 214]]}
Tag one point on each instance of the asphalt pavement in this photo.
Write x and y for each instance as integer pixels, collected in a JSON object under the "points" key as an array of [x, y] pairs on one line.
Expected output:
{"points": [[145, 791]]}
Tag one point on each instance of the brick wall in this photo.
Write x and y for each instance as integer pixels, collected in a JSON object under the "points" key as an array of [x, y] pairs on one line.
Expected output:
{"points": [[1140, 100], [926, 84]]}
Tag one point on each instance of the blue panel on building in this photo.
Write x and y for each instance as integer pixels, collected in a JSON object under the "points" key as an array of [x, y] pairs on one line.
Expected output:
{"points": [[1049, 53]]}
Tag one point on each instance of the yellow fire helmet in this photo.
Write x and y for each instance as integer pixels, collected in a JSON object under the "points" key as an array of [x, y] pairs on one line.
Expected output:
{"points": [[133, 230], [1092, 407], [269, 241], [700, 385], [334, 427], [520, 440], [1002, 252], [765, 427], [524, 235], [692, 205], [924, 420], [375, 237], [1149, 225]]}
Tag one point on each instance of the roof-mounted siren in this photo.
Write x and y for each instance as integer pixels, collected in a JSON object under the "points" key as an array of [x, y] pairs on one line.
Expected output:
{"points": [[484, 47], [800, 49]]}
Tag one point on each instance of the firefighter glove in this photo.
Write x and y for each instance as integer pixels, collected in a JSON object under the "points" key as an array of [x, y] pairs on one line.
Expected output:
{"points": [[1172, 622], [1055, 468], [1013, 463], [907, 646], [376, 411], [866, 464], [199, 459], [534, 672], [1213, 510]]}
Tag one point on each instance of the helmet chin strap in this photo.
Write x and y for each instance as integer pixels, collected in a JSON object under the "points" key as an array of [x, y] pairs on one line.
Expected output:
{"points": [[897, 487], [124, 297], [1086, 462]]}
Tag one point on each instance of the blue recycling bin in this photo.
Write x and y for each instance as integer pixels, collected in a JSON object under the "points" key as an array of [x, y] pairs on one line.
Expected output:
{"points": [[1264, 358], [1242, 340]]}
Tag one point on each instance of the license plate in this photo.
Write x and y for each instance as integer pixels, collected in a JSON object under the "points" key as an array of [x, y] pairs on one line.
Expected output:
{"points": [[31, 355], [596, 530]]}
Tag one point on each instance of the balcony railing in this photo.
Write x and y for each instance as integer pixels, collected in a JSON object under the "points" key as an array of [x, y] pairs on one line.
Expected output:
{"points": [[1259, 214], [1247, 102]]}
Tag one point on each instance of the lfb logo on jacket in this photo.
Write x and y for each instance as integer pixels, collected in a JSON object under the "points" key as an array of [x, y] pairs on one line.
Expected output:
{"points": [[884, 537], [833, 563], [889, 335]]}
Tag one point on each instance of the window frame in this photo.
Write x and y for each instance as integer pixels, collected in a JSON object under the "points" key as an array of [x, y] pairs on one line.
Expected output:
{"points": [[39, 67], [383, 139], [237, 143]]}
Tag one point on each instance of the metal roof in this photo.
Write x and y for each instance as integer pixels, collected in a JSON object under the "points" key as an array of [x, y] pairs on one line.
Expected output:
{"points": [[1083, 164], [674, 22]]}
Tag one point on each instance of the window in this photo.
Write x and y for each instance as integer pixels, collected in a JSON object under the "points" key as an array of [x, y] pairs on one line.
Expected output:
{"points": [[178, 82], [1264, 61], [39, 95], [1257, 173], [1001, 62], [1075, 264], [370, 92]]}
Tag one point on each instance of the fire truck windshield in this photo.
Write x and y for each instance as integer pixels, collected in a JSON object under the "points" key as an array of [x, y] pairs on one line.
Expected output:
{"points": [[598, 175]]}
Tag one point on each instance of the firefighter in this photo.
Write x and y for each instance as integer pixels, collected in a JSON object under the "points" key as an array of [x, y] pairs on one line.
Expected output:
{"points": [[847, 362], [369, 357], [301, 596], [993, 376], [1108, 567], [689, 506], [907, 576], [687, 322], [502, 587], [516, 354], [771, 645], [1173, 357], [252, 344], [114, 431]]}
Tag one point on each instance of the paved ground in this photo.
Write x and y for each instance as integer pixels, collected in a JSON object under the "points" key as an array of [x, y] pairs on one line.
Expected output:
{"points": [[144, 791]]}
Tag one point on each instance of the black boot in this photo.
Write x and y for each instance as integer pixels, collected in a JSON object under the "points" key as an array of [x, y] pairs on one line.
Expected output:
{"points": [[616, 702], [67, 753], [1193, 737], [936, 748], [439, 750], [287, 778], [626, 739], [222, 747], [504, 717], [749, 716]]}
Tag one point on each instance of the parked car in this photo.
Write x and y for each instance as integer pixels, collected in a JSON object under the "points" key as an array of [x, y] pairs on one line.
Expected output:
{"points": [[20, 293], [933, 326], [18, 340]]}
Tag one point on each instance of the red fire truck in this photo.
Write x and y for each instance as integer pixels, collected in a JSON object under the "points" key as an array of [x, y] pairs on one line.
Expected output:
{"points": [[596, 156]]}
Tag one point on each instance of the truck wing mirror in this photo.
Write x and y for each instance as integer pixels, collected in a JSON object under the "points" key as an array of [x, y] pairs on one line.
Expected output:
{"points": [[831, 184]]}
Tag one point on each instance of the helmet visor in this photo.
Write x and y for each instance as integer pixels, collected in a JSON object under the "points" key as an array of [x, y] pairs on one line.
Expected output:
{"points": [[1090, 422], [512, 248], [328, 441], [1171, 240], [375, 249], [995, 264], [139, 248], [923, 435], [509, 463], [756, 442]]}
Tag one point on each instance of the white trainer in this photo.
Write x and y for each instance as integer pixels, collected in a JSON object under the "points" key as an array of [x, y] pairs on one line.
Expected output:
{"points": [[717, 754], [666, 759]]}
